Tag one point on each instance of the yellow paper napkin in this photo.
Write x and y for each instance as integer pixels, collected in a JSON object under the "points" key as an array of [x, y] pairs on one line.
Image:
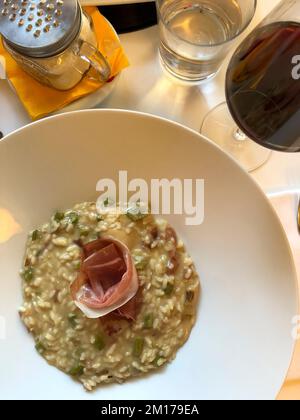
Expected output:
{"points": [[40, 100]]}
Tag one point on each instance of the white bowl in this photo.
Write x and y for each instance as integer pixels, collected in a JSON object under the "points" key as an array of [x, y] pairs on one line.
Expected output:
{"points": [[242, 345]]}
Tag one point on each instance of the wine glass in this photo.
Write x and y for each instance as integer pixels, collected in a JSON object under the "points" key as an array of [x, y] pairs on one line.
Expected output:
{"points": [[262, 92]]}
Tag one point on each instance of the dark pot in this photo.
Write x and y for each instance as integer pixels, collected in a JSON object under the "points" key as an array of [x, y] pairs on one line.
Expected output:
{"points": [[130, 17]]}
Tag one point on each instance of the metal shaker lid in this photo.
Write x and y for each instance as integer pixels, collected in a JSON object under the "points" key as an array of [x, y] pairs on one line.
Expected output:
{"points": [[39, 28]]}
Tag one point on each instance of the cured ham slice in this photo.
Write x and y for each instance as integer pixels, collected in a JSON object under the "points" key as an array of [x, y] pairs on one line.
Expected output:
{"points": [[107, 281]]}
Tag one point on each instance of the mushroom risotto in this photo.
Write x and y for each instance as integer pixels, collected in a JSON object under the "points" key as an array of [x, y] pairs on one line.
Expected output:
{"points": [[109, 296]]}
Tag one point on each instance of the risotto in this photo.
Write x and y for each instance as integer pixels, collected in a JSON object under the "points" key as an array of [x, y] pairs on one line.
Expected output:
{"points": [[111, 348]]}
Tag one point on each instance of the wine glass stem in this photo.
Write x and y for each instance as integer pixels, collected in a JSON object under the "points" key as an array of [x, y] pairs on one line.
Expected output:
{"points": [[239, 135]]}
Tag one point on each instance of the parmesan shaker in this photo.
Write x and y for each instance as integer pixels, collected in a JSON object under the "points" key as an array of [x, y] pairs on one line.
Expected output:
{"points": [[52, 40]]}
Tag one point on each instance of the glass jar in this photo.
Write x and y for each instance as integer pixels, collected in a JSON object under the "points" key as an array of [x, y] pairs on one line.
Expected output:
{"points": [[71, 53]]}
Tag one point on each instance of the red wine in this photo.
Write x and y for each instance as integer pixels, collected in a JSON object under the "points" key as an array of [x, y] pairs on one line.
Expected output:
{"points": [[262, 91]]}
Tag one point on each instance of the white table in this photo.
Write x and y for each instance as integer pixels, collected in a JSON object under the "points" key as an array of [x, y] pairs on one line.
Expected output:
{"points": [[145, 87]]}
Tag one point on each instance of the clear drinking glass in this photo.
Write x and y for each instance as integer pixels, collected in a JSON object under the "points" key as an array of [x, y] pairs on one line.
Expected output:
{"points": [[262, 92], [197, 34]]}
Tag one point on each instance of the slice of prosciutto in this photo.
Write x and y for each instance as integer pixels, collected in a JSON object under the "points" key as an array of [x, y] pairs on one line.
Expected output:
{"points": [[107, 281]]}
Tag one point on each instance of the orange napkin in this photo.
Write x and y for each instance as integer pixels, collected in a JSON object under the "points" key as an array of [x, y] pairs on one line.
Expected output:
{"points": [[40, 100]]}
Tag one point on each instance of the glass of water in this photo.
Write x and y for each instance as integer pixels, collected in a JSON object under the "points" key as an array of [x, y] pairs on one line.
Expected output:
{"points": [[197, 34]]}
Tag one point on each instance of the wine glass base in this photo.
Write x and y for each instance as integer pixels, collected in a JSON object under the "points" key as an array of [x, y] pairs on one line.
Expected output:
{"points": [[220, 128]]}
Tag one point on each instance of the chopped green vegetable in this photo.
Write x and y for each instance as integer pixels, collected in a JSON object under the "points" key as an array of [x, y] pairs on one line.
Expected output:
{"points": [[72, 218], [59, 216], [189, 296], [35, 235], [84, 231], [169, 289], [72, 318], [40, 348], [78, 352], [138, 346], [148, 321], [106, 202], [99, 343], [28, 274], [76, 370], [95, 236], [99, 218], [135, 214], [156, 361], [39, 252], [141, 261], [77, 265]]}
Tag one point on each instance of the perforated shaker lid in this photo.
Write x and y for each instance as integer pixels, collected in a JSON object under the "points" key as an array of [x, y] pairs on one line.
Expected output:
{"points": [[39, 28]]}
